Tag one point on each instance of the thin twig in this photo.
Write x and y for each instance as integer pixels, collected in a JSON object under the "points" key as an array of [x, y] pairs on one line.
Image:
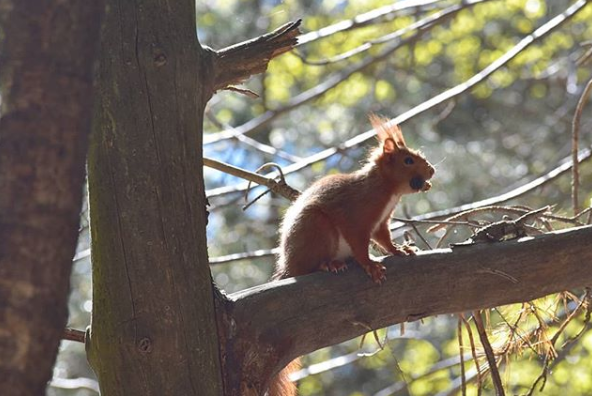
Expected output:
{"points": [[243, 91], [549, 356], [74, 335], [437, 222], [575, 136], [362, 20], [462, 360], [474, 354], [419, 234], [263, 148], [280, 188], [495, 375], [437, 17]]}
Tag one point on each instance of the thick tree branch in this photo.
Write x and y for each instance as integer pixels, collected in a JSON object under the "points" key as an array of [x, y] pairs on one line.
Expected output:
{"points": [[235, 64], [279, 321]]}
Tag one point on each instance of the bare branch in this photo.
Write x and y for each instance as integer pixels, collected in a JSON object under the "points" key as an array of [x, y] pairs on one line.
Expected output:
{"points": [[74, 335], [278, 187], [564, 167], [413, 290], [362, 20], [263, 148], [461, 355], [234, 64], [330, 82], [495, 375], [537, 35], [244, 256], [422, 24], [575, 133]]}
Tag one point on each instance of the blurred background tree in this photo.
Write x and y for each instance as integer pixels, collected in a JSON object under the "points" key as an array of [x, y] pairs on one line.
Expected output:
{"points": [[389, 57]]}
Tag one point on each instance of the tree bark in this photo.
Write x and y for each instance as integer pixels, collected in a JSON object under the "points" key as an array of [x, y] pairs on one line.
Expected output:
{"points": [[47, 55], [153, 329], [279, 321]]}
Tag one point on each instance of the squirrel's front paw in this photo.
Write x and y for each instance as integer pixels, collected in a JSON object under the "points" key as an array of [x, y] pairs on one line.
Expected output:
{"points": [[376, 271]]}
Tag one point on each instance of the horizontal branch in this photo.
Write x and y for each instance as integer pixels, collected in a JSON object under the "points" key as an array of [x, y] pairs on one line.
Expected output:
{"points": [[296, 316], [280, 187], [235, 64], [74, 335]]}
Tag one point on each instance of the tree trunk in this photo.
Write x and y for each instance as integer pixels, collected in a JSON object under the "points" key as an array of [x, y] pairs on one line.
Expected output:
{"points": [[153, 328], [47, 55]]}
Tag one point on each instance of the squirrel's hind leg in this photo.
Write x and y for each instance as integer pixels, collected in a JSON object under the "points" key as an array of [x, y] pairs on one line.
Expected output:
{"points": [[310, 245]]}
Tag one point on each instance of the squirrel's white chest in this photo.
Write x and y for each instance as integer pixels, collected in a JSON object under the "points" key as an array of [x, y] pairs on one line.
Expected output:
{"points": [[343, 249], [386, 212]]}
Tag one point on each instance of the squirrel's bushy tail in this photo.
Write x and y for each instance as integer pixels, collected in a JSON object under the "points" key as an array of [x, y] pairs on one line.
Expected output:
{"points": [[281, 385]]}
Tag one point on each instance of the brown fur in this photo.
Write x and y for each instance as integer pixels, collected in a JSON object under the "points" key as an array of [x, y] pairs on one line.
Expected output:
{"points": [[337, 216]]}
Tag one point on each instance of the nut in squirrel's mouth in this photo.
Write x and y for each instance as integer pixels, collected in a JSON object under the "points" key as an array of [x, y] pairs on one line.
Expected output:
{"points": [[419, 184]]}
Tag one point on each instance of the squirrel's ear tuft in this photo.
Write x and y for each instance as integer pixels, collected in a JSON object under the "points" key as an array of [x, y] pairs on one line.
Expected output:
{"points": [[386, 130], [398, 135]]}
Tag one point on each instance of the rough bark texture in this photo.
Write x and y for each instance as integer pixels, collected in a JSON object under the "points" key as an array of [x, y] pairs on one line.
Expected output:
{"points": [[153, 328], [235, 64], [47, 57], [274, 323]]}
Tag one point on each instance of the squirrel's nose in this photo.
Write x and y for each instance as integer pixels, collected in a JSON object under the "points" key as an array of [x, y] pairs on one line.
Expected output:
{"points": [[432, 171]]}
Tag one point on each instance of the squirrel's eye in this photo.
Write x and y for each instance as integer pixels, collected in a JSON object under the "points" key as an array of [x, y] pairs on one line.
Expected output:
{"points": [[408, 161]]}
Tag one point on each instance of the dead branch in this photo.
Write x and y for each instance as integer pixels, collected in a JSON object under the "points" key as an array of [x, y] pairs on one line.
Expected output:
{"points": [[235, 64], [278, 317], [495, 375], [280, 188], [463, 378], [74, 335], [575, 133]]}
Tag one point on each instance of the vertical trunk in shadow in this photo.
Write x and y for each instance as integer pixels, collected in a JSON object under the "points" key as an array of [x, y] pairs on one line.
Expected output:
{"points": [[47, 54], [153, 328]]}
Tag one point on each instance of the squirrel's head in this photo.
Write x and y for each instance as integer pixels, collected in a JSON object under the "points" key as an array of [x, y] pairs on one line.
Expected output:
{"points": [[406, 169]]}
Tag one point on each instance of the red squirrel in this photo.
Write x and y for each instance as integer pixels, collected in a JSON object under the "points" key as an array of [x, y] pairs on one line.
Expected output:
{"points": [[338, 216]]}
